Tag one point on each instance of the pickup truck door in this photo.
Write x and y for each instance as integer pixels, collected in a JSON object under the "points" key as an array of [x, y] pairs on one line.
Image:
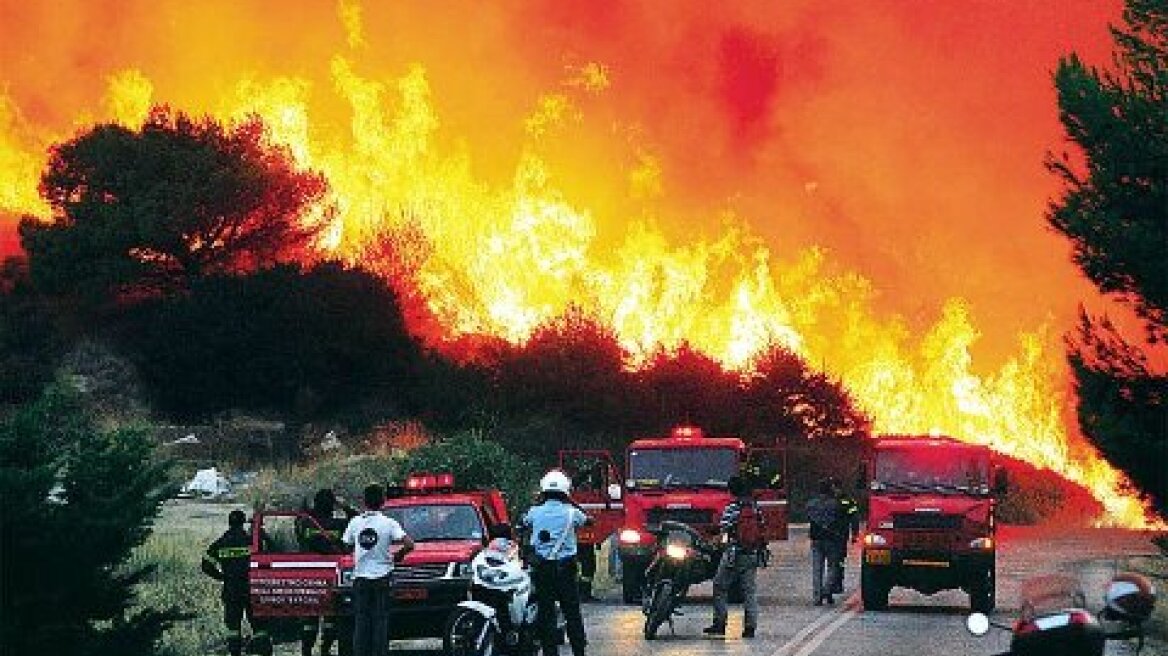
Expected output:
{"points": [[766, 468], [594, 479], [285, 580]]}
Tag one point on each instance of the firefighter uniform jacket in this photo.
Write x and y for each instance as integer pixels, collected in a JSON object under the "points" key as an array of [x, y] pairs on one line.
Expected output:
{"points": [[228, 560]]}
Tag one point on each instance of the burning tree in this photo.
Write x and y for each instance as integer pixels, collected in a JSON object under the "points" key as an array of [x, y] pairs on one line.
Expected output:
{"points": [[1114, 209], [146, 211]]}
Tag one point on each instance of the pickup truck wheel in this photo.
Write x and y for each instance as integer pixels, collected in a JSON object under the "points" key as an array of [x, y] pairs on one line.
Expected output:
{"points": [[982, 593], [873, 589]]}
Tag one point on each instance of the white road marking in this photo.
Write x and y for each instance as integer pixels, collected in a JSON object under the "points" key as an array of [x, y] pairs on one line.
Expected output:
{"points": [[829, 622]]}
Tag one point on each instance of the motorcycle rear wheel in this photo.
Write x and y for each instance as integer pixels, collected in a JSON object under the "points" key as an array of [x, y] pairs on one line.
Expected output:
{"points": [[660, 607], [468, 633]]}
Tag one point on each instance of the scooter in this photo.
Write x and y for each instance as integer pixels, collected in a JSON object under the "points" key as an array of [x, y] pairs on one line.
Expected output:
{"points": [[500, 615], [682, 558], [1055, 621]]}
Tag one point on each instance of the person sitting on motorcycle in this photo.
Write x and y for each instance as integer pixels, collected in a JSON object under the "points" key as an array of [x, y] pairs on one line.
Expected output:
{"points": [[551, 528], [739, 562]]}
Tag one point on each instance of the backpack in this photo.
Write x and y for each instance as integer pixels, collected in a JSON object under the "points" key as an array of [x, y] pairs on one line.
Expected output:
{"points": [[748, 533]]}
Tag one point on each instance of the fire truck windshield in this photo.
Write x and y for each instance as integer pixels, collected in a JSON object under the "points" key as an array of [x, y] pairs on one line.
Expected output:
{"points": [[681, 467], [931, 470], [431, 522]]}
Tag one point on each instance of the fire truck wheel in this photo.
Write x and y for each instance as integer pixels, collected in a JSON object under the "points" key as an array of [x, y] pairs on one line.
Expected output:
{"points": [[631, 583], [873, 589], [982, 593]]}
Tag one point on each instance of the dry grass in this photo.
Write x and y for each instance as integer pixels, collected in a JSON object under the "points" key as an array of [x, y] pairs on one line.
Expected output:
{"points": [[175, 548]]}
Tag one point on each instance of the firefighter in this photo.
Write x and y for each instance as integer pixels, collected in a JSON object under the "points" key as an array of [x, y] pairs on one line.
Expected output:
{"points": [[828, 539], [322, 534], [851, 513], [551, 526], [228, 559]]}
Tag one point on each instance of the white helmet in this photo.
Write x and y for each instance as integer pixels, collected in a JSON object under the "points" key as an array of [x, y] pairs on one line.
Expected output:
{"points": [[555, 481]]}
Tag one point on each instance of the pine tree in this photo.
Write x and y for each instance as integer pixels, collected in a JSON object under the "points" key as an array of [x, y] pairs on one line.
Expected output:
{"points": [[1114, 209], [75, 501]]}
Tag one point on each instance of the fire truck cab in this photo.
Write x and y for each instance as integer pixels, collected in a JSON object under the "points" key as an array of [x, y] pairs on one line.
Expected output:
{"points": [[448, 525], [681, 477], [930, 526]]}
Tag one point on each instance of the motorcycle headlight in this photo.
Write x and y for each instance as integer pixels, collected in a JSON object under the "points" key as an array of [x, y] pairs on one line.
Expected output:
{"points": [[676, 551], [488, 575], [462, 570]]}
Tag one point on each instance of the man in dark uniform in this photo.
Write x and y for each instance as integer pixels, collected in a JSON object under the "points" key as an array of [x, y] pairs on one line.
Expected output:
{"points": [[827, 531], [228, 560], [322, 534], [851, 511]]}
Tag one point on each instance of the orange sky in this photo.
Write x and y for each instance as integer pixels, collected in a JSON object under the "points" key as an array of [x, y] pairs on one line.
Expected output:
{"points": [[906, 138]]}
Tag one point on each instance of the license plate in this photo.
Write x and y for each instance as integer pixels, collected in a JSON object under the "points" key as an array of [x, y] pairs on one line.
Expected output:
{"points": [[879, 557], [411, 593], [931, 542]]}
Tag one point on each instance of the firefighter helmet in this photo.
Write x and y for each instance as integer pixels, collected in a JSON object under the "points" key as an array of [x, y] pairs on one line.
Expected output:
{"points": [[555, 481]]}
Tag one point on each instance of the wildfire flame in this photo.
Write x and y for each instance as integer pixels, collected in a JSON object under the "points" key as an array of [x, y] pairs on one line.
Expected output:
{"points": [[511, 243]]}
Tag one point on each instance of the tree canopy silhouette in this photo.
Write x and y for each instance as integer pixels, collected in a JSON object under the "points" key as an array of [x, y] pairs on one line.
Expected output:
{"points": [[138, 212], [1114, 209]]}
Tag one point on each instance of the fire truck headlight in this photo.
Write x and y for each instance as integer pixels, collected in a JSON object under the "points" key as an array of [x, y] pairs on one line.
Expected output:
{"points": [[875, 540], [630, 536], [984, 544], [676, 551]]}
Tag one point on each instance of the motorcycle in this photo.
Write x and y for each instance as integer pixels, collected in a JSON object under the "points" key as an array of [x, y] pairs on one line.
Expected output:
{"points": [[683, 557], [500, 614], [1054, 619]]}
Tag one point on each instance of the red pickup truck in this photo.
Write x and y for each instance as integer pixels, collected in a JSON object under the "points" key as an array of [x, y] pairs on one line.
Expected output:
{"points": [[449, 526]]}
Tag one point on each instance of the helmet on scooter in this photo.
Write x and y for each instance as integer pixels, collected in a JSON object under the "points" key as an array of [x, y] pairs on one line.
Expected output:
{"points": [[1130, 598], [555, 481]]}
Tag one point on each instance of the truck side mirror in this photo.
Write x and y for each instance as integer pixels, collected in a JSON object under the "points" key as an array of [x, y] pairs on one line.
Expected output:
{"points": [[1001, 481], [614, 491]]}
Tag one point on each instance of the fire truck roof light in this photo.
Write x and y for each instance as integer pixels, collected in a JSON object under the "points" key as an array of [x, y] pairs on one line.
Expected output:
{"points": [[425, 482], [687, 432]]}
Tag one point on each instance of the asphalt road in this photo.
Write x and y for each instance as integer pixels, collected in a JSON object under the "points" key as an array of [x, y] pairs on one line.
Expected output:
{"points": [[914, 624]]}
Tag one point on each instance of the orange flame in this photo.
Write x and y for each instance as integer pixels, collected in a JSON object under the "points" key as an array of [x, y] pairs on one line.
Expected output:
{"points": [[547, 197]]}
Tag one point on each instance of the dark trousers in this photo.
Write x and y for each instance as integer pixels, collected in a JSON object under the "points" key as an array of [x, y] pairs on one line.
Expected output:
{"points": [[237, 604], [371, 616], [555, 581], [327, 626]]}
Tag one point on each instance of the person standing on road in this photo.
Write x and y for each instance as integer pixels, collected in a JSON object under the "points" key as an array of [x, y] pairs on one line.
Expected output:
{"points": [[742, 524], [371, 534], [851, 518], [551, 526], [828, 541], [320, 533], [228, 559]]}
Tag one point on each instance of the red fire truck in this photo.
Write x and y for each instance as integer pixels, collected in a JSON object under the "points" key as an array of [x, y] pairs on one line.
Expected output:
{"points": [[448, 525], [930, 519], [681, 477]]}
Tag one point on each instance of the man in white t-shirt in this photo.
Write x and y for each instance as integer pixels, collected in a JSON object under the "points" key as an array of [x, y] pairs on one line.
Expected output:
{"points": [[371, 534]]}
